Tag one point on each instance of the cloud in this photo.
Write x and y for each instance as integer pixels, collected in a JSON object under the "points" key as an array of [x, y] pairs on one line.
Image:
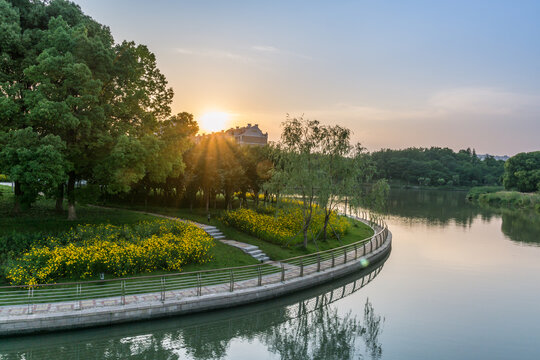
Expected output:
{"points": [[265, 48], [214, 53], [453, 104]]}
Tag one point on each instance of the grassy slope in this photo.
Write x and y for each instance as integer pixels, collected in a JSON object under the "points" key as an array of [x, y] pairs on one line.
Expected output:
{"points": [[358, 231], [496, 197], [42, 219]]}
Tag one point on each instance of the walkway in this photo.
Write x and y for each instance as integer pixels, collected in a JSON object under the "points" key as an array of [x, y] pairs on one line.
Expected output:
{"points": [[187, 292]]}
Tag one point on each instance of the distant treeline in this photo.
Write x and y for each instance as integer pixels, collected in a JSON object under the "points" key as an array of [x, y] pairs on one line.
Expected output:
{"points": [[437, 166]]}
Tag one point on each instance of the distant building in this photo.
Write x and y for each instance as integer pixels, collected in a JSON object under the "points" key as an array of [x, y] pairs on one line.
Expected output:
{"points": [[248, 135]]}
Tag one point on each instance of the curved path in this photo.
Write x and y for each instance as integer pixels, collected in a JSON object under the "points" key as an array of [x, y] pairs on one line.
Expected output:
{"points": [[20, 319]]}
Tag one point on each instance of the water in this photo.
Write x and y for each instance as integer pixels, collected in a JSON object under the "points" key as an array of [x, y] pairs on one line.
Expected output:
{"points": [[461, 282]]}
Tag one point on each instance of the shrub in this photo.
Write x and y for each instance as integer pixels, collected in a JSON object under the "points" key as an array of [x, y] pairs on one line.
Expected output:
{"points": [[86, 251], [284, 226]]}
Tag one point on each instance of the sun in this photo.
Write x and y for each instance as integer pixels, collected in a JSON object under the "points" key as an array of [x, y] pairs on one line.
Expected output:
{"points": [[213, 121]]}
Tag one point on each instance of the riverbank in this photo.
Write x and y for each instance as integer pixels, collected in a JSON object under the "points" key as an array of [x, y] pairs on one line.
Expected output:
{"points": [[221, 289], [498, 198]]}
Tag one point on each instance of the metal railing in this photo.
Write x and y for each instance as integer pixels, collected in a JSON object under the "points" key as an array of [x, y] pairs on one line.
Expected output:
{"points": [[123, 291]]}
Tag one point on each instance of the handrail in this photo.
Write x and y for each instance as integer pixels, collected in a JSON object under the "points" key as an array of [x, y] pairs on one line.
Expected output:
{"points": [[235, 277]]}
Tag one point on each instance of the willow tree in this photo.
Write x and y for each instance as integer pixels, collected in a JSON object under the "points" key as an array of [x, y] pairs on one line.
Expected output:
{"points": [[301, 145]]}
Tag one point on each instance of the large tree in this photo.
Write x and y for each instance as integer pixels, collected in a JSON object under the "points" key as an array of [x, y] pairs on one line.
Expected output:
{"points": [[62, 74], [522, 172]]}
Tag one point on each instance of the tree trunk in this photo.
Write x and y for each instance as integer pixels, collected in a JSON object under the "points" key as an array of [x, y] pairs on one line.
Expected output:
{"points": [[72, 215], [304, 231], [60, 199], [18, 194], [326, 220], [207, 193]]}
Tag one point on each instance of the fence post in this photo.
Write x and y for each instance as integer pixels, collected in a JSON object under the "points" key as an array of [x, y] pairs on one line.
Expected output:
{"points": [[282, 272], [30, 300], [344, 255], [232, 281], [301, 267], [163, 289], [318, 262], [355, 251], [199, 290], [333, 258], [123, 286], [260, 275]]}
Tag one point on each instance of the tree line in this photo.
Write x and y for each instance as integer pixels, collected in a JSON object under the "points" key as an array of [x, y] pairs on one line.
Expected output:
{"points": [[76, 105], [437, 166]]}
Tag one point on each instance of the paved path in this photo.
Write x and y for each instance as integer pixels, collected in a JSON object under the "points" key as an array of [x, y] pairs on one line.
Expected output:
{"points": [[219, 289]]}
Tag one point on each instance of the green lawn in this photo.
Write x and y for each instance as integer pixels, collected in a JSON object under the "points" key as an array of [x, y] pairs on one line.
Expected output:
{"points": [[357, 231], [41, 220]]}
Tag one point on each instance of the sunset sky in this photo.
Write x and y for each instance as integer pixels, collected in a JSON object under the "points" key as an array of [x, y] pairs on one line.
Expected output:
{"points": [[398, 73]]}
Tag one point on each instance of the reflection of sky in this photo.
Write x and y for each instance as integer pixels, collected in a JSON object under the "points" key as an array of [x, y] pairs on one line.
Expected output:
{"points": [[451, 292]]}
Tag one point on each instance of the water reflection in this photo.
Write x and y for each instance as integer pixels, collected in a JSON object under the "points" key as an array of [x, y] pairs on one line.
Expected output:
{"points": [[439, 208], [303, 326], [435, 207], [522, 227]]}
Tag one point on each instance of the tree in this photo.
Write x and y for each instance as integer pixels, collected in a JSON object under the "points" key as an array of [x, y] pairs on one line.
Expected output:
{"points": [[337, 176], [522, 172], [35, 164], [301, 144]]}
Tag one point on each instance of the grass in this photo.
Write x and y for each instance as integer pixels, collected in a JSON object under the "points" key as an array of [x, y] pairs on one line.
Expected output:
{"points": [[41, 220], [357, 231], [497, 197]]}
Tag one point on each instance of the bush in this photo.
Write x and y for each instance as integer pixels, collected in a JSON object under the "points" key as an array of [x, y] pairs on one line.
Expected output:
{"points": [[282, 227], [89, 194], [88, 250], [475, 192]]}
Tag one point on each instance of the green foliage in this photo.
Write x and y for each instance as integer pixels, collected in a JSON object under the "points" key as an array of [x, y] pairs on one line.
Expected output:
{"points": [[511, 199], [522, 172], [88, 194], [427, 167], [85, 251], [475, 192], [285, 226], [33, 162]]}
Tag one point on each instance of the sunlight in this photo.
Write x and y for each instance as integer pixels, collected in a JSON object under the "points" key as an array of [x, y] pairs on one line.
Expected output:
{"points": [[214, 121]]}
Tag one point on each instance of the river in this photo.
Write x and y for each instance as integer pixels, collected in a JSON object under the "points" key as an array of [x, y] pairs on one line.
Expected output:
{"points": [[461, 282]]}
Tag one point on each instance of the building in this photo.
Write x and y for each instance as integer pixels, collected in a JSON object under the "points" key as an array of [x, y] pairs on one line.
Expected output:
{"points": [[248, 135]]}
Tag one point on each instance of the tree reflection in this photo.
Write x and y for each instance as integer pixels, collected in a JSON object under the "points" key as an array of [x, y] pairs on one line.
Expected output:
{"points": [[301, 326], [324, 334], [521, 226]]}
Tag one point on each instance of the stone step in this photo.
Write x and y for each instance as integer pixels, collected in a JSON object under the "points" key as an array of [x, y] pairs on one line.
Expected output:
{"points": [[266, 258], [212, 231], [260, 256], [255, 252], [218, 237]]}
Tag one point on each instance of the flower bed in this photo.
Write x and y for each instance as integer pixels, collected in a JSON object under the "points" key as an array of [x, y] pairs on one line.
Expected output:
{"points": [[283, 228], [86, 251]]}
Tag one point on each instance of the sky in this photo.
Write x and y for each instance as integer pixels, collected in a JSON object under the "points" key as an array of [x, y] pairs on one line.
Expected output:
{"points": [[399, 74]]}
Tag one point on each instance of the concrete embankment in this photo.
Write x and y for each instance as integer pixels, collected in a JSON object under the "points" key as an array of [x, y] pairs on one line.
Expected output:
{"points": [[68, 315]]}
